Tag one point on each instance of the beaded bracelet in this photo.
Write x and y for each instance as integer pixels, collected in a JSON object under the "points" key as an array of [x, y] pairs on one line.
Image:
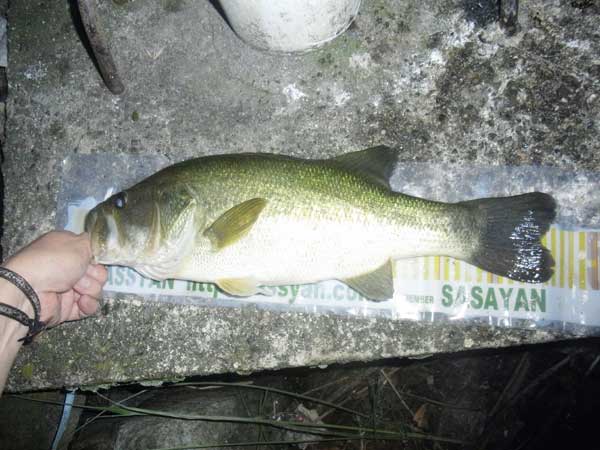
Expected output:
{"points": [[35, 325]]}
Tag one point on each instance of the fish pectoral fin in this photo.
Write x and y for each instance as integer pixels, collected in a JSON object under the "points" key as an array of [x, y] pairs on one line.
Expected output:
{"points": [[240, 287], [376, 163], [235, 223], [377, 285]]}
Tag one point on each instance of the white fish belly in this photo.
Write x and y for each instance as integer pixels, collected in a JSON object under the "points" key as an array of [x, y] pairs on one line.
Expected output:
{"points": [[284, 250]]}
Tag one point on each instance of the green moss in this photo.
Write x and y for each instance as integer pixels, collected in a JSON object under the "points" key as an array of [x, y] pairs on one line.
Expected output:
{"points": [[56, 130], [173, 5], [135, 116], [396, 20], [104, 367], [382, 10], [27, 371], [336, 54], [325, 59]]}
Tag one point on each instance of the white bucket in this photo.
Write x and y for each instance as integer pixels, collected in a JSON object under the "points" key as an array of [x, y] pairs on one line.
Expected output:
{"points": [[289, 25]]}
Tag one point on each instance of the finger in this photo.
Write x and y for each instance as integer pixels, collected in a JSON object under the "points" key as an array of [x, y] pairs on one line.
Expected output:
{"points": [[74, 313], [88, 305], [50, 312], [98, 272], [66, 301], [88, 286]]}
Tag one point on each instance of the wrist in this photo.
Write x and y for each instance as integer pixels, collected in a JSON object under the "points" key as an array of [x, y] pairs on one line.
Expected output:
{"points": [[14, 265], [13, 296], [10, 329], [33, 324]]}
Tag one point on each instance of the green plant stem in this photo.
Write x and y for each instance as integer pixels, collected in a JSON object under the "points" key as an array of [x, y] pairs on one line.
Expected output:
{"points": [[277, 391]]}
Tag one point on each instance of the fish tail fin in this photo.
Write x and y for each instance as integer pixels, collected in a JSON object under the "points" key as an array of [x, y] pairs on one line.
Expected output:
{"points": [[510, 235]]}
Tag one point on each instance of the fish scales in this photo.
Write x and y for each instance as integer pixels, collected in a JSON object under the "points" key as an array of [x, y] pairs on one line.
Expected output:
{"points": [[319, 222]]}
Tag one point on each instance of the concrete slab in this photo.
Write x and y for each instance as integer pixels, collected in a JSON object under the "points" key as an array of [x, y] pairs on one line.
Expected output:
{"points": [[437, 80]]}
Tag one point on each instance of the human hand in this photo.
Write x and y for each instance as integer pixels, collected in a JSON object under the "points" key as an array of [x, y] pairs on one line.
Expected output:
{"points": [[58, 267]]}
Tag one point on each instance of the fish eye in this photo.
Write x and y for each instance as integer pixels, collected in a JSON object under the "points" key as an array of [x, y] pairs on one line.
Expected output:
{"points": [[120, 200]]}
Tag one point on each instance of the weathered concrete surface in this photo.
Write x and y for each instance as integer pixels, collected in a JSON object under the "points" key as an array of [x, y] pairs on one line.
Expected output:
{"points": [[135, 341], [437, 80]]}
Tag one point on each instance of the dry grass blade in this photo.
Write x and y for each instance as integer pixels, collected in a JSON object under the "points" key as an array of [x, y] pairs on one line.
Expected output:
{"points": [[515, 381], [326, 385], [410, 411], [101, 413], [391, 372], [332, 410], [438, 403], [510, 395], [546, 374], [592, 366]]}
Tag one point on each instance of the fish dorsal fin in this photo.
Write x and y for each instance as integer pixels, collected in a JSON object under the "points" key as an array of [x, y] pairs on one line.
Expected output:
{"points": [[376, 163], [235, 223], [377, 285], [241, 287]]}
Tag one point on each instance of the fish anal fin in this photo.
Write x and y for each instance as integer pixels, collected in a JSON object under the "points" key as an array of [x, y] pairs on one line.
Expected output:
{"points": [[239, 287], [235, 223], [377, 285], [376, 163]]}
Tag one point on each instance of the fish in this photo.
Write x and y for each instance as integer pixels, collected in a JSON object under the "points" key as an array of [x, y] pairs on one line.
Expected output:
{"points": [[252, 220]]}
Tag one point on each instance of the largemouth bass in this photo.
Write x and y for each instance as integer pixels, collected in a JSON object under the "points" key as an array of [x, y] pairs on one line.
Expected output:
{"points": [[250, 220]]}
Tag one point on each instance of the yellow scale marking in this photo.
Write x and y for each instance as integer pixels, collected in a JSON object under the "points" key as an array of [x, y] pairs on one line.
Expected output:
{"points": [[576, 254]]}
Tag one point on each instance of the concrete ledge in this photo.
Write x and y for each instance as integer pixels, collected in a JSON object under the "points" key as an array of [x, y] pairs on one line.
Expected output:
{"points": [[147, 341]]}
